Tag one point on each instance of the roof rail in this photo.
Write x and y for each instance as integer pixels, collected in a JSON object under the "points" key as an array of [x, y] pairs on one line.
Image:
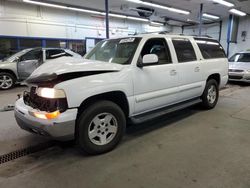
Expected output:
{"points": [[202, 36], [168, 33]]}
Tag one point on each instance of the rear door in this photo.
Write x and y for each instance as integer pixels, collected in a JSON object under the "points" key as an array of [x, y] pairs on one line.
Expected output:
{"points": [[29, 62], [189, 67]]}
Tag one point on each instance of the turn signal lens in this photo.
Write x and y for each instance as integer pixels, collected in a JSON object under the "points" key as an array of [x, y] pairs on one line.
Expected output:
{"points": [[52, 115], [41, 115]]}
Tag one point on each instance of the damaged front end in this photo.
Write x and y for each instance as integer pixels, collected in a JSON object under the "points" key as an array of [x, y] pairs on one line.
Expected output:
{"points": [[43, 97]]}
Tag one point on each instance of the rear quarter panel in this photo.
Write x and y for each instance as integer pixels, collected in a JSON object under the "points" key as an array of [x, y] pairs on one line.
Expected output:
{"points": [[220, 66]]}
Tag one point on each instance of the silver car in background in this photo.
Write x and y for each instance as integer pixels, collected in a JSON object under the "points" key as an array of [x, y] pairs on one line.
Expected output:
{"points": [[239, 67], [19, 66]]}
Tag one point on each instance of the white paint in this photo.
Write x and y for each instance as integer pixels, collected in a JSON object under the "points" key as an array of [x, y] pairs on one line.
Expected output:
{"points": [[90, 44]]}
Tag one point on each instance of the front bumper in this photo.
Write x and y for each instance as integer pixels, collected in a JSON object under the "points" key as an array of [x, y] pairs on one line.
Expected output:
{"points": [[61, 128], [239, 77]]}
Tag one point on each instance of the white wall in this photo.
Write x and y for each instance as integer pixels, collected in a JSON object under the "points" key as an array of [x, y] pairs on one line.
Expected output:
{"points": [[20, 19]]}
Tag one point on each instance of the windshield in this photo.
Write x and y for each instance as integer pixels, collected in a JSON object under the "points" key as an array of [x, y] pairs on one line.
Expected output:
{"points": [[18, 54], [240, 57], [120, 51]]}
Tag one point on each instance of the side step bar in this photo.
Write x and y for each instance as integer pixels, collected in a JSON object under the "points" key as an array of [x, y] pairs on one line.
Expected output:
{"points": [[166, 110]]}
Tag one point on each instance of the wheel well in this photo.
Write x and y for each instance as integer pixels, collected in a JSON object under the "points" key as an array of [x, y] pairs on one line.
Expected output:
{"points": [[118, 97], [8, 71], [216, 77]]}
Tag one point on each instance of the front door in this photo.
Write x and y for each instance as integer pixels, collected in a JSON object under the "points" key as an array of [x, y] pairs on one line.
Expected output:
{"points": [[155, 86], [29, 62]]}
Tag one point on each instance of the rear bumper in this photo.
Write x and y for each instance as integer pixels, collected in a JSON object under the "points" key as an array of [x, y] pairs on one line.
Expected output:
{"points": [[61, 128]]}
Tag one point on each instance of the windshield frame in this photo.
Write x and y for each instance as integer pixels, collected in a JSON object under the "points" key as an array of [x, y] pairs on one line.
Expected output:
{"points": [[91, 53]]}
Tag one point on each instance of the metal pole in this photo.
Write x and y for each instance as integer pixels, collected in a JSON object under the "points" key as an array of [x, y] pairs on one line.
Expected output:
{"points": [[200, 24], [107, 18], [229, 31], [182, 29], [220, 31]]}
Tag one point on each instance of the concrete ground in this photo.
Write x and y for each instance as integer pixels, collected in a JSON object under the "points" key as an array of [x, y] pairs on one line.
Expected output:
{"points": [[191, 148], [11, 136]]}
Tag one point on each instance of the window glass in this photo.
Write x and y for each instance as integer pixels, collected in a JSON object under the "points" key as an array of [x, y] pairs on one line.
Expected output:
{"points": [[30, 43], [8, 47], [32, 55], [210, 48], [56, 44], [78, 47], [55, 53], [184, 50], [120, 51], [240, 57], [158, 47]]}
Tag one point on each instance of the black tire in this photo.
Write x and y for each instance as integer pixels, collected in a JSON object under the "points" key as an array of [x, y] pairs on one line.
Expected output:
{"points": [[206, 103], [84, 122], [10, 84]]}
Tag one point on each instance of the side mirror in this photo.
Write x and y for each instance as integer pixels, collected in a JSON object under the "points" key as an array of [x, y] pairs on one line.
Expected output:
{"points": [[17, 59], [150, 59]]}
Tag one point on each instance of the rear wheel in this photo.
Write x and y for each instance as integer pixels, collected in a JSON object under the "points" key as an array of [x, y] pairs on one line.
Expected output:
{"points": [[100, 127], [211, 94], [7, 80]]}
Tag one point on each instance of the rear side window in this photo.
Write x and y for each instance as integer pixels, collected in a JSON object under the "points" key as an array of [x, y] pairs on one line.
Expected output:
{"points": [[210, 49], [184, 50]]}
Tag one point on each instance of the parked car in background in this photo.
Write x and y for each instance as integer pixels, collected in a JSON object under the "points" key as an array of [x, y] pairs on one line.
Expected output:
{"points": [[239, 67], [136, 78], [19, 66]]}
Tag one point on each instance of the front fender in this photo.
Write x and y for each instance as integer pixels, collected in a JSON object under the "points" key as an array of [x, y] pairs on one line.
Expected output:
{"points": [[79, 89]]}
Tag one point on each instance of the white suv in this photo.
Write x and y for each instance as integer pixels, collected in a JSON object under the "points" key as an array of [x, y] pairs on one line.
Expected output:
{"points": [[136, 78]]}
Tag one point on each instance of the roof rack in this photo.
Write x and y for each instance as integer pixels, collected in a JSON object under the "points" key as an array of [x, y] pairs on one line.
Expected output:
{"points": [[168, 33]]}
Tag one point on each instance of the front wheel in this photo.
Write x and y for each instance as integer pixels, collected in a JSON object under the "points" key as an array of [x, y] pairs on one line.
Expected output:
{"points": [[100, 127], [211, 94], [7, 80]]}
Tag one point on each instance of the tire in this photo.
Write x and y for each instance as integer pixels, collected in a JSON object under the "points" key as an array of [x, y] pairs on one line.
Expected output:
{"points": [[210, 95], [100, 127], [7, 81]]}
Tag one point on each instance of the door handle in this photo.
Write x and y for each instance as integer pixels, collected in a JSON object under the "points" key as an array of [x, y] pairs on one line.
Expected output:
{"points": [[197, 69], [173, 72]]}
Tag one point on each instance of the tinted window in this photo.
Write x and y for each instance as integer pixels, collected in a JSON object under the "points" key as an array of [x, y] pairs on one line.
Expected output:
{"points": [[8, 47], [56, 53], [55, 44], [184, 50], [158, 47], [30, 43], [240, 57], [32, 55], [210, 49]]}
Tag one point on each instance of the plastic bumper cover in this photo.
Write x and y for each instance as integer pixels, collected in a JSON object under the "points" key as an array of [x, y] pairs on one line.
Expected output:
{"points": [[61, 128]]}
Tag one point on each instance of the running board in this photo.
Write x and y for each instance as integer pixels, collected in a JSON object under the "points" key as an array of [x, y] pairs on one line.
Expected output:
{"points": [[160, 112]]}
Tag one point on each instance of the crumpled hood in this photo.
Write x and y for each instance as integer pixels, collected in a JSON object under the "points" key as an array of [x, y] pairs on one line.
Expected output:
{"points": [[67, 68], [239, 65], [70, 65]]}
